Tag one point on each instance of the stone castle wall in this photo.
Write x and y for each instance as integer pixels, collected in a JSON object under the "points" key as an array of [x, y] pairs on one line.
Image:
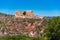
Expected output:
{"points": [[26, 14], [22, 14], [29, 13]]}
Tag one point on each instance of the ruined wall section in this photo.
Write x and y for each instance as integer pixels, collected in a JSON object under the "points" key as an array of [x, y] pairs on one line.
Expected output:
{"points": [[29, 13], [26, 14], [19, 14]]}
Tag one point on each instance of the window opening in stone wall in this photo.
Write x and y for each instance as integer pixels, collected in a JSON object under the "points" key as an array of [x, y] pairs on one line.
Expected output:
{"points": [[24, 13]]}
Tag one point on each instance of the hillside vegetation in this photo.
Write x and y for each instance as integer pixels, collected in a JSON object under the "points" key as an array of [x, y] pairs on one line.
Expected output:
{"points": [[53, 29], [12, 28]]}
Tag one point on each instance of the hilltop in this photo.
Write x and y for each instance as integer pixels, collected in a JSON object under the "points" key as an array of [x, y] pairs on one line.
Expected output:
{"points": [[26, 14], [10, 25]]}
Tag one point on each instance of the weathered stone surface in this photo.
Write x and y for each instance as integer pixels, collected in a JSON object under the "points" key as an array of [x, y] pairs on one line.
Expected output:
{"points": [[19, 13], [29, 13], [24, 14]]}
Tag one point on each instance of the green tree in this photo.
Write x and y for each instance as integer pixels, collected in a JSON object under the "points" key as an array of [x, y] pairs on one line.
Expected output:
{"points": [[53, 29]]}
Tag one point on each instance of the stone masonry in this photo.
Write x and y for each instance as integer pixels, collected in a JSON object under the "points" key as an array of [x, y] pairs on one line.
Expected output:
{"points": [[26, 14]]}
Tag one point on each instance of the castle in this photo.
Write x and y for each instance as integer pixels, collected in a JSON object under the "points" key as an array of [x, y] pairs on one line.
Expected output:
{"points": [[26, 14]]}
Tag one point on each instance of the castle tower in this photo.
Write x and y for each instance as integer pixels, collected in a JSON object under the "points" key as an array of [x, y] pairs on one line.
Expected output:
{"points": [[24, 14], [19, 13], [29, 13]]}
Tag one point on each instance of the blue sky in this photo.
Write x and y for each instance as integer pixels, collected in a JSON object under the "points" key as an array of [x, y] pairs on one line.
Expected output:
{"points": [[39, 7]]}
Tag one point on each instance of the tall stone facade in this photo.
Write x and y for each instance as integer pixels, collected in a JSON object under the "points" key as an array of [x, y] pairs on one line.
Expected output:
{"points": [[24, 14], [19, 13], [29, 13]]}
